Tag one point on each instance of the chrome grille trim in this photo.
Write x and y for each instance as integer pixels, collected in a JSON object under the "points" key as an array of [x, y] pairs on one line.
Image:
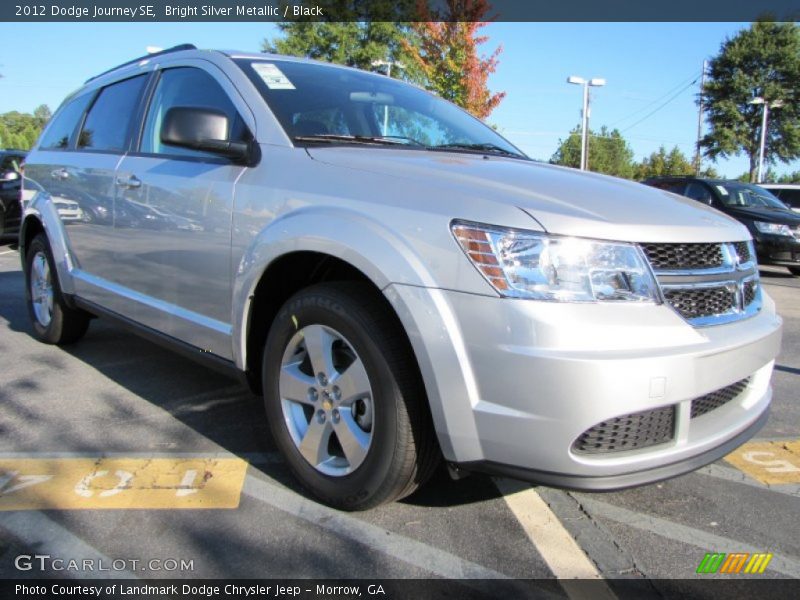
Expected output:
{"points": [[726, 290]]}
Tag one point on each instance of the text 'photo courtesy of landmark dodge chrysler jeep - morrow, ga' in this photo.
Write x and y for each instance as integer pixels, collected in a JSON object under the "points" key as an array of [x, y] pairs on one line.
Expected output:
{"points": [[401, 283]]}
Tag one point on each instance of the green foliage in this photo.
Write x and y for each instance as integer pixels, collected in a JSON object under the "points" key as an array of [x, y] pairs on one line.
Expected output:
{"points": [[609, 153], [355, 44], [663, 163], [20, 130], [762, 61], [772, 177]]}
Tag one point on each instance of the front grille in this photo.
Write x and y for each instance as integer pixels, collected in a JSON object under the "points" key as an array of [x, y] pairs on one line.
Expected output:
{"points": [[693, 303], [749, 292], [742, 251], [683, 256], [628, 432], [705, 404]]}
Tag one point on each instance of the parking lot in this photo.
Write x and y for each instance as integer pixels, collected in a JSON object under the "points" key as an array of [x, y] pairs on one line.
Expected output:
{"points": [[191, 480]]}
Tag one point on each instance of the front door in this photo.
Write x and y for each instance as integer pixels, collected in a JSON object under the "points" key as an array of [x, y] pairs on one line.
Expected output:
{"points": [[172, 219]]}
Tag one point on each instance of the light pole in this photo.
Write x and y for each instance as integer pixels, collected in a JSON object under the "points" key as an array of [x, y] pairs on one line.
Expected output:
{"points": [[764, 117], [594, 82], [388, 64]]}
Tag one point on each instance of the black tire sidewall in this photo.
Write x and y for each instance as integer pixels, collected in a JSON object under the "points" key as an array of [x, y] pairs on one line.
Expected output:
{"points": [[52, 333], [320, 307]]}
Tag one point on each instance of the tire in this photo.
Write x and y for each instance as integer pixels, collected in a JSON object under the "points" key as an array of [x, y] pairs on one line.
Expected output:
{"points": [[53, 321], [794, 271], [380, 440]]}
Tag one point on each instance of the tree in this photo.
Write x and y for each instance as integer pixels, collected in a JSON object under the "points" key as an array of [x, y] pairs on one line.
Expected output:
{"points": [[609, 153], [355, 44], [447, 55], [762, 61], [42, 114], [20, 130], [663, 163]]}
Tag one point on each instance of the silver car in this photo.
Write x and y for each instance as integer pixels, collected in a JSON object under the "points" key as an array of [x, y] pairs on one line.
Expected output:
{"points": [[401, 283]]}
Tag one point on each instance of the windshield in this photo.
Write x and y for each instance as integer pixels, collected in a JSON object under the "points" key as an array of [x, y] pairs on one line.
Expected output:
{"points": [[749, 195], [321, 104]]}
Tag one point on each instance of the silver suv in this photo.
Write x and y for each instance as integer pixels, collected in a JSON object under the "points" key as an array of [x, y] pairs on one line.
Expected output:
{"points": [[399, 281]]}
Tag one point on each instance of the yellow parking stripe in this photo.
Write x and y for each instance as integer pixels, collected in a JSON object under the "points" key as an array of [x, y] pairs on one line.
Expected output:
{"points": [[769, 462], [120, 483]]}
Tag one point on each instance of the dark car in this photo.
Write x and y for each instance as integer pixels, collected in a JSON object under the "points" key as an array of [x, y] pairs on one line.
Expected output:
{"points": [[774, 226], [10, 186]]}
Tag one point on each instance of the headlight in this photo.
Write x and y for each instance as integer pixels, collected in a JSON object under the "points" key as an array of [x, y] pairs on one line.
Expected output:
{"points": [[527, 264], [773, 228]]}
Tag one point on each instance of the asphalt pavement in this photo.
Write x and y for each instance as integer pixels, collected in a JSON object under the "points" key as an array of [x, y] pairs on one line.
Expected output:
{"points": [[115, 449]]}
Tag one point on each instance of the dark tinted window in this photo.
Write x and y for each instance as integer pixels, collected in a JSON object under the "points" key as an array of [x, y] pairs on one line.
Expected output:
{"points": [[109, 119], [187, 87], [698, 191], [64, 123], [788, 196]]}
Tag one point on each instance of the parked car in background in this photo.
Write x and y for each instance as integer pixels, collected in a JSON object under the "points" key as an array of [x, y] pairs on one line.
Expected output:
{"points": [[400, 282], [788, 193], [773, 225], [10, 186]]}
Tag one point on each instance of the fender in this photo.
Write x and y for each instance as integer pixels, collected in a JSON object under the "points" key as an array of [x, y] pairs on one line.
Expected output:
{"points": [[355, 238], [387, 260], [43, 210]]}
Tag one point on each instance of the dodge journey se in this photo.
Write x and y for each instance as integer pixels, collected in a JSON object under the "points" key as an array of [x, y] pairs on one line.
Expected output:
{"points": [[401, 284]]}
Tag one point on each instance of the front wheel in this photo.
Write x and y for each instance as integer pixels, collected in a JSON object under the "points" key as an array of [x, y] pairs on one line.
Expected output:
{"points": [[53, 321], [794, 271], [344, 397]]}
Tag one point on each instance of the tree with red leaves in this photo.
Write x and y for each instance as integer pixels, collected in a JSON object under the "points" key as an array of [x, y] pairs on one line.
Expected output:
{"points": [[447, 54]]}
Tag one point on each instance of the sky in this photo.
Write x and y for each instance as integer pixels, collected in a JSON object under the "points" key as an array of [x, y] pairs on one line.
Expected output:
{"points": [[648, 68]]}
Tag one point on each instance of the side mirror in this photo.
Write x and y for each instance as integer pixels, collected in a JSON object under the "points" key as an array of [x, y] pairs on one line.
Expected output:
{"points": [[201, 129]]}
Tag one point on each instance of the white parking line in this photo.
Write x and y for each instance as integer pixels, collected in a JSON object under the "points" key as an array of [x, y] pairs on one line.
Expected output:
{"points": [[438, 562], [37, 531], [8, 252], [554, 543], [708, 542]]}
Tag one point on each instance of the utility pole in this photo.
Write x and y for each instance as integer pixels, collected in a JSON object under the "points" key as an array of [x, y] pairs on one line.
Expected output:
{"points": [[388, 64], [596, 82], [698, 157]]}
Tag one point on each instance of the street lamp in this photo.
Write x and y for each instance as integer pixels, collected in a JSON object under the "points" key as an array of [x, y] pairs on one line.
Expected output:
{"points": [[388, 64], [594, 82], [764, 117]]}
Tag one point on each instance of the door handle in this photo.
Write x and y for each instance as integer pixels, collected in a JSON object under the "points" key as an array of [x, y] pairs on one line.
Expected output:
{"points": [[129, 182], [59, 174]]}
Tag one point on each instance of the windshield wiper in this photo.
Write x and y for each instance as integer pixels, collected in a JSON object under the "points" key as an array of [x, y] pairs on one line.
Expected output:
{"points": [[357, 139], [485, 147]]}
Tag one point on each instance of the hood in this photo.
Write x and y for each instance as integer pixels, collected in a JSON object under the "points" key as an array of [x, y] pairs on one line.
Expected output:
{"points": [[563, 201], [768, 215]]}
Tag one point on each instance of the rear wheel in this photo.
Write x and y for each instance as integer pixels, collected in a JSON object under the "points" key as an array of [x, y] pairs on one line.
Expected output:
{"points": [[53, 321], [344, 397]]}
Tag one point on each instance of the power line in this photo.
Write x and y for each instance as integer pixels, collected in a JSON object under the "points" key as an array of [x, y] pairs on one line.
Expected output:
{"points": [[682, 85], [650, 114]]}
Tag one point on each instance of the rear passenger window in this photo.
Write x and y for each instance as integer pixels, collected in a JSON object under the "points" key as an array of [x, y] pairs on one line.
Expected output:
{"points": [[109, 119], [64, 123]]}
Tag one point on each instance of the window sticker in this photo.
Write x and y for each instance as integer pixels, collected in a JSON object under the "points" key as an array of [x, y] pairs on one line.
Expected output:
{"points": [[272, 76], [722, 190]]}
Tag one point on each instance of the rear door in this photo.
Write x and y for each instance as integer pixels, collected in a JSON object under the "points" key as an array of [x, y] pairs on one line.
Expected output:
{"points": [[77, 166], [173, 216]]}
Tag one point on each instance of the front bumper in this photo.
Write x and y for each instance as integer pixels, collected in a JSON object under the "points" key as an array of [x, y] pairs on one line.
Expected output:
{"points": [[513, 383], [777, 249]]}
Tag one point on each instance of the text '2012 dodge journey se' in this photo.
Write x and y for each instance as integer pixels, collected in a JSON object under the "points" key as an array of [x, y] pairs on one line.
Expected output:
{"points": [[399, 281]]}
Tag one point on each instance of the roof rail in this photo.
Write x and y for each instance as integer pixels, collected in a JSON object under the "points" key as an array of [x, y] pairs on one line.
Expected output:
{"points": [[177, 48]]}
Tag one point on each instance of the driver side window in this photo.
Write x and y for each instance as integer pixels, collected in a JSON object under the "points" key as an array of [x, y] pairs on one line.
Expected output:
{"points": [[187, 87]]}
